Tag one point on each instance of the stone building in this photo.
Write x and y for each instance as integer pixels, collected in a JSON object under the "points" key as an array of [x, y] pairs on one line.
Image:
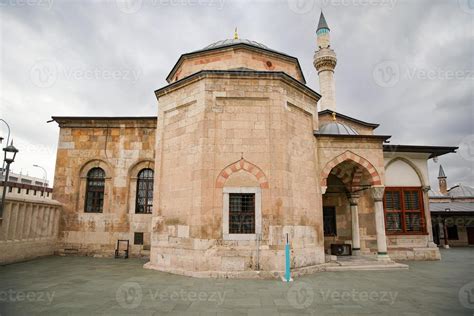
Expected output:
{"points": [[239, 160], [21, 185], [452, 211]]}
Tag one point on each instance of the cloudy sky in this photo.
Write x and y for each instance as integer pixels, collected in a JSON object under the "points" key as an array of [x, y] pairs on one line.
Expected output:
{"points": [[405, 64]]}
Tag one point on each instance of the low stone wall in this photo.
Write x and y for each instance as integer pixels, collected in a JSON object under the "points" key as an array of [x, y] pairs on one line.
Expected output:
{"points": [[412, 247], [28, 229]]}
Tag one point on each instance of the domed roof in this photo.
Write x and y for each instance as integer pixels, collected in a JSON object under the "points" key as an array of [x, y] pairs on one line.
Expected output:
{"points": [[461, 191], [336, 128], [234, 41]]}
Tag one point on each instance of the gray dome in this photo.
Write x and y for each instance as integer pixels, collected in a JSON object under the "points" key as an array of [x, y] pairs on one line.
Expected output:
{"points": [[336, 128], [461, 191], [229, 42]]}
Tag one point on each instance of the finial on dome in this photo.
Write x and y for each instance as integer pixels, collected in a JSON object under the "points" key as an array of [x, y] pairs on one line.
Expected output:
{"points": [[236, 35], [333, 116]]}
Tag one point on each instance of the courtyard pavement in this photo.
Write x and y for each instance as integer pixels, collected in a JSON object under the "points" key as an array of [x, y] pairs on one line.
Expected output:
{"points": [[88, 286]]}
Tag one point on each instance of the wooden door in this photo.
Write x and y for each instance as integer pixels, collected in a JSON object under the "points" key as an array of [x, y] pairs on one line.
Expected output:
{"points": [[470, 235]]}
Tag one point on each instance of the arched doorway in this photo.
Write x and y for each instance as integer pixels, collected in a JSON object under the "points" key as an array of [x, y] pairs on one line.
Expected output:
{"points": [[352, 206]]}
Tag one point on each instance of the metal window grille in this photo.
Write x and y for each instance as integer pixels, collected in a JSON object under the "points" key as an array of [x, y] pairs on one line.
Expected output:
{"points": [[95, 191], [242, 213], [144, 198]]}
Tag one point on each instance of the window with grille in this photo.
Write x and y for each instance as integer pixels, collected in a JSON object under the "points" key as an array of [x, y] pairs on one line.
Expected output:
{"points": [[95, 191], [242, 213], [138, 239], [144, 198], [404, 211]]}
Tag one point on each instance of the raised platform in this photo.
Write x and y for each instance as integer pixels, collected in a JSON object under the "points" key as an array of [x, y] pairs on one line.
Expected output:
{"points": [[363, 263], [350, 263]]}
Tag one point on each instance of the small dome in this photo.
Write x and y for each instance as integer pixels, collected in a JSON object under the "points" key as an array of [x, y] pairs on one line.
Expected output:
{"points": [[234, 41], [461, 191], [336, 128]]}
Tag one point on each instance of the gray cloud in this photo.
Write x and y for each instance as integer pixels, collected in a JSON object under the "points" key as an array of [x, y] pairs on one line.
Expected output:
{"points": [[88, 42]]}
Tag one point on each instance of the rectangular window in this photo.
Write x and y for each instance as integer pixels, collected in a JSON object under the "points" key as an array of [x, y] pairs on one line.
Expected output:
{"points": [[138, 239], [242, 213], [329, 220], [404, 210]]}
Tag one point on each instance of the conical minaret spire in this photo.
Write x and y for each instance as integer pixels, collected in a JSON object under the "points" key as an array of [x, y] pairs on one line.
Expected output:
{"points": [[322, 22], [442, 183], [325, 62]]}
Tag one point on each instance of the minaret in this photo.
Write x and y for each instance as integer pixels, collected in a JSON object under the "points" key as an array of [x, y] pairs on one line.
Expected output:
{"points": [[325, 62], [443, 185]]}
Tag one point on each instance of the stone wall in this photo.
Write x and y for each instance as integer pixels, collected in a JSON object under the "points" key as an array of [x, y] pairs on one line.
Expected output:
{"points": [[29, 229], [235, 58], [121, 147], [235, 131]]}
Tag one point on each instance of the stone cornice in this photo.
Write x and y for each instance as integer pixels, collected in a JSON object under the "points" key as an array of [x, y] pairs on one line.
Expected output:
{"points": [[241, 75], [270, 52], [105, 122]]}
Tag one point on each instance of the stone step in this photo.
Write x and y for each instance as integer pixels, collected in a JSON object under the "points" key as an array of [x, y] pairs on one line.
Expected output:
{"points": [[373, 266]]}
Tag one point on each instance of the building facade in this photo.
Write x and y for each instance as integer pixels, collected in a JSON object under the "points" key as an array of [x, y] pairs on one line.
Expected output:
{"points": [[24, 186], [242, 161], [452, 211]]}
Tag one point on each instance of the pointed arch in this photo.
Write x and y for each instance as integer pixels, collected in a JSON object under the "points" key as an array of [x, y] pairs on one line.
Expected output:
{"points": [[361, 163], [239, 165], [411, 164]]}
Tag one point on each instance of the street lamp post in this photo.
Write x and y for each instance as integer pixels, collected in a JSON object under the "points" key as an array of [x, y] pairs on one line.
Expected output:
{"points": [[45, 177], [8, 140], [10, 153]]}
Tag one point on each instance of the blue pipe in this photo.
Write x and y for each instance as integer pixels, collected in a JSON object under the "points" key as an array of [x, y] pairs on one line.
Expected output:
{"points": [[287, 261]]}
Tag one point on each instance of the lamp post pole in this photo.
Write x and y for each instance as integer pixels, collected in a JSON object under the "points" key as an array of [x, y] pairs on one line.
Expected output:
{"points": [[10, 153], [8, 140], [45, 177]]}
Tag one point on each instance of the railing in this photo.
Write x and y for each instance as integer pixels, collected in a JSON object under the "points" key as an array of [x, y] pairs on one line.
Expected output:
{"points": [[29, 228]]}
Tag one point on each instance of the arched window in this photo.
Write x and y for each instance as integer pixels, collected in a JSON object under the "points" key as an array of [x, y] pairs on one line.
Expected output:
{"points": [[95, 191], [144, 198]]}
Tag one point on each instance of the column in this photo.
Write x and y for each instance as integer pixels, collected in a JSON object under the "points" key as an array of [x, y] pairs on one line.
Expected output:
{"points": [[428, 222], [354, 200], [377, 194]]}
